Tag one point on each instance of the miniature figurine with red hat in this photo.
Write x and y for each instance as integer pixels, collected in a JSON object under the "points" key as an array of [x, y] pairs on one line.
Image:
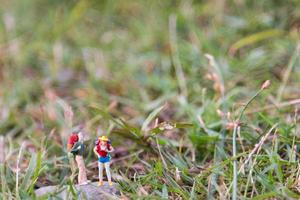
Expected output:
{"points": [[103, 149], [76, 147]]}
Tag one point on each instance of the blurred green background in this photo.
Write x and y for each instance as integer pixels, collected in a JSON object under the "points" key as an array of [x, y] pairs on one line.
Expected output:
{"points": [[117, 62]]}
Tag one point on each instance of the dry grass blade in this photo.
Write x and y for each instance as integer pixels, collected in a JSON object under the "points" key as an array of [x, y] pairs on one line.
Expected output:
{"points": [[257, 147], [278, 106], [215, 76]]}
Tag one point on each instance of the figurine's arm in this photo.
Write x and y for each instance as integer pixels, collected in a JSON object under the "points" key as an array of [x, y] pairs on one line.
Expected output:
{"points": [[111, 149], [69, 147], [95, 151]]}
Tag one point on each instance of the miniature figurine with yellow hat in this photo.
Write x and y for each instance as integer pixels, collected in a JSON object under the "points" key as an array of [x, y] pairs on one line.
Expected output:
{"points": [[103, 149]]}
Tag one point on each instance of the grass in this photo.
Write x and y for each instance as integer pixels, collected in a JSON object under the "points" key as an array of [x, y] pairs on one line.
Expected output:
{"points": [[166, 81]]}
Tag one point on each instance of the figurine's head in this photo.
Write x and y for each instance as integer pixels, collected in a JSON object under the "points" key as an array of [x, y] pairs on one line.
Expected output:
{"points": [[103, 140]]}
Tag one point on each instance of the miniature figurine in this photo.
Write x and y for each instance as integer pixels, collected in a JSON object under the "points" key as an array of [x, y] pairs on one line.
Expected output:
{"points": [[103, 149], [76, 147]]}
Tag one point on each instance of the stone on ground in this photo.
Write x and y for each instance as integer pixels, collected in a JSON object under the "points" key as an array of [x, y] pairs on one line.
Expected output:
{"points": [[90, 191]]}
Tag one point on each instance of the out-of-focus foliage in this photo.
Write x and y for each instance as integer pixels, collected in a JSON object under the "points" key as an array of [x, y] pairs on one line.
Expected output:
{"points": [[165, 80]]}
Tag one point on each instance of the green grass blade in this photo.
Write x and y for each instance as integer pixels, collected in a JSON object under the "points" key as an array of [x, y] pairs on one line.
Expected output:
{"points": [[150, 117], [256, 37], [265, 196], [36, 171], [29, 172], [164, 194]]}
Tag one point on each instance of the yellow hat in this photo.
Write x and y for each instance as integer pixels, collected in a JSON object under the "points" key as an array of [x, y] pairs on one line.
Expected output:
{"points": [[103, 138]]}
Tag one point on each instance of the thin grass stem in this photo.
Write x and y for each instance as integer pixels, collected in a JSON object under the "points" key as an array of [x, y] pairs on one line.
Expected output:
{"points": [[235, 130]]}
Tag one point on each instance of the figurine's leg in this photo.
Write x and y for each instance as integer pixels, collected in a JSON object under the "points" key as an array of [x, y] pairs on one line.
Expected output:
{"points": [[82, 179], [100, 167], [107, 169]]}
